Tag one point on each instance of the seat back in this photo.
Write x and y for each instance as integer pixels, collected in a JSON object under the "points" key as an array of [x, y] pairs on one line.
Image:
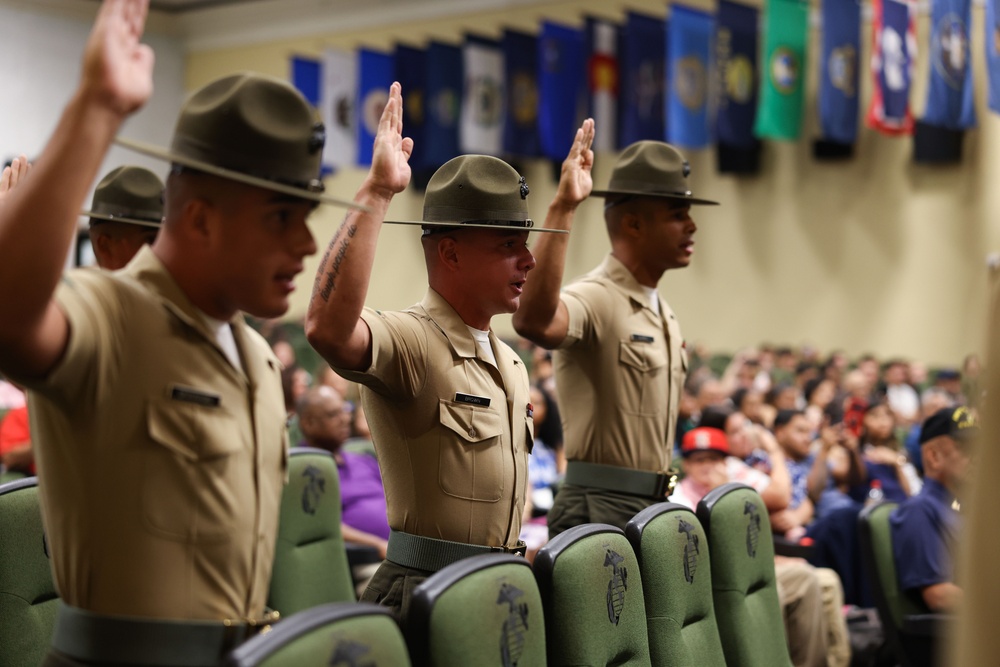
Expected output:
{"points": [[676, 569], [893, 605], [28, 598], [310, 562], [483, 611], [344, 633], [744, 587], [593, 598]]}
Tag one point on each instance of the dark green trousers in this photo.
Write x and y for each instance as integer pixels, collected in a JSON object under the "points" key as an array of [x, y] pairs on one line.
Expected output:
{"points": [[392, 586], [575, 505]]}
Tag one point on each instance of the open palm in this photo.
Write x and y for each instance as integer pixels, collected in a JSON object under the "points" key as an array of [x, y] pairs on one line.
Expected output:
{"points": [[576, 181], [391, 154], [117, 68]]}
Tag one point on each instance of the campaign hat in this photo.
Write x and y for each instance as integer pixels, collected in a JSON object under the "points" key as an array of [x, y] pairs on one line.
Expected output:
{"points": [[128, 194], [651, 169]]}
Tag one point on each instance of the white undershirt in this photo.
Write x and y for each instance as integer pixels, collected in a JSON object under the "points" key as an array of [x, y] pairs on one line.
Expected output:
{"points": [[224, 337], [483, 338], [654, 298]]}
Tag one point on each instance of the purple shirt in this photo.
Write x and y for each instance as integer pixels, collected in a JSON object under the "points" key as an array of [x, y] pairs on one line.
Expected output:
{"points": [[361, 494]]}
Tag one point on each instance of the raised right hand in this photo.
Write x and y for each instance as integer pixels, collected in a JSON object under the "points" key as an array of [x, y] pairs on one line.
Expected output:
{"points": [[117, 68]]}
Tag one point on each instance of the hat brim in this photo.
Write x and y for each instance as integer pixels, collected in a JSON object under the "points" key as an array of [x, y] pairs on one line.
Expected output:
{"points": [[625, 193], [165, 154], [506, 228], [119, 218]]}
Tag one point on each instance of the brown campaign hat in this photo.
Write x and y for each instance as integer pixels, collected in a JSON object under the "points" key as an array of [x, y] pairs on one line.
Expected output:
{"points": [[476, 191], [128, 194], [253, 129], [651, 169]]}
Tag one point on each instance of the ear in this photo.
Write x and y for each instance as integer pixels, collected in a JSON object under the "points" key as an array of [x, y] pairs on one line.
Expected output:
{"points": [[102, 243], [200, 218], [631, 224], [447, 251]]}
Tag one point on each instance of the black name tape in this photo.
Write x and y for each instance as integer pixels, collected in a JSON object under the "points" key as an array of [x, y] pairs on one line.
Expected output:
{"points": [[640, 338], [474, 400], [195, 396]]}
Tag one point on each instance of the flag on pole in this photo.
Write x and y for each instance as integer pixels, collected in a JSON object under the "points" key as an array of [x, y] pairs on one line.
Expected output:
{"points": [[689, 43], [783, 75], [643, 79], [481, 120], [337, 91], [839, 75], [737, 149], [894, 49], [993, 53], [949, 96], [444, 93], [375, 70], [307, 77], [520, 131], [603, 81], [410, 71], [560, 82]]}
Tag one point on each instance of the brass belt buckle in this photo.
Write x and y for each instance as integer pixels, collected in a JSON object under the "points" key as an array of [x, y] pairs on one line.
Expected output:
{"points": [[665, 483]]}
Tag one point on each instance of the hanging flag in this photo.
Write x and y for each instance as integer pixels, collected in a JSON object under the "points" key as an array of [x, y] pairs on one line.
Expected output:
{"points": [[410, 71], [783, 70], [949, 95], [689, 42], [307, 77], [839, 75], [444, 94], [602, 81], [560, 82], [993, 53], [894, 49], [737, 149], [375, 70], [643, 79], [520, 130], [481, 120], [338, 92]]}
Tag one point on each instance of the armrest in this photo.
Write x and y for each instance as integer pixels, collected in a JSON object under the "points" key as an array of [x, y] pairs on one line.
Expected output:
{"points": [[927, 625], [783, 547]]}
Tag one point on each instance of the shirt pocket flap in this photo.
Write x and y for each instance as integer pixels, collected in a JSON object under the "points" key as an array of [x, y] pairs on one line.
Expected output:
{"points": [[470, 423], [194, 432], [642, 356]]}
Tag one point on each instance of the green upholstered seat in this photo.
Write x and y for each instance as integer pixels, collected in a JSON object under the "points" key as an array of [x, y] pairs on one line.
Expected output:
{"points": [[28, 599], [592, 593], [345, 633], [744, 586], [911, 629], [676, 569], [481, 611], [310, 562]]}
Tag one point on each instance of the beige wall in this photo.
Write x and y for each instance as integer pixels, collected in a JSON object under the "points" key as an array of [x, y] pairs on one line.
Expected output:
{"points": [[874, 254]]}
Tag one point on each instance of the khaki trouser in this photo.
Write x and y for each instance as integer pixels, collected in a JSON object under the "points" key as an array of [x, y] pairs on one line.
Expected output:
{"points": [[811, 602]]}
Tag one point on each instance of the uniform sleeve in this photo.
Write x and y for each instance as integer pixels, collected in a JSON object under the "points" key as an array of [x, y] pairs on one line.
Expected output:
{"points": [[399, 353], [92, 302], [918, 548], [579, 300]]}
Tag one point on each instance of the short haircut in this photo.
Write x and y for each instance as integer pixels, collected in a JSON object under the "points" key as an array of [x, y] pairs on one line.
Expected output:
{"points": [[785, 416], [715, 416]]}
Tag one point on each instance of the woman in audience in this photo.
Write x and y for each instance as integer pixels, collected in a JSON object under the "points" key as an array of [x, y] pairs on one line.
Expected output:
{"points": [[883, 456]]}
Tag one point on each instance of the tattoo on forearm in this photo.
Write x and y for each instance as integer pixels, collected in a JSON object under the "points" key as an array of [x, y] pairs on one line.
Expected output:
{"points": [[330, 279]]}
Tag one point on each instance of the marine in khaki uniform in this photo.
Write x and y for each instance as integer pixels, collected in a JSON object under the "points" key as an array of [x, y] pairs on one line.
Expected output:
{"points": [[125, 214], [446, 400], [157, 414], [619, 359]]}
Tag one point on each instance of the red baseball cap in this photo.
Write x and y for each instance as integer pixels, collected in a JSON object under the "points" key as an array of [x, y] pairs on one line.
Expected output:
{"points": [[705, 438]]}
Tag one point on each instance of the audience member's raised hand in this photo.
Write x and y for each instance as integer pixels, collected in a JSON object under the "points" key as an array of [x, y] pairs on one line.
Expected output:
{"points": [[117, 68], [13, 175]]}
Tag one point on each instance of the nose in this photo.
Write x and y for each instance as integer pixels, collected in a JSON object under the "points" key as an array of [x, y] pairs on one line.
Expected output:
{"points": [[304, 243], [527, 261]]}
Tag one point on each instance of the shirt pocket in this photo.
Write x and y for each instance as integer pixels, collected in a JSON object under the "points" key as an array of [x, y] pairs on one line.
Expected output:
{"points": [[642, 366], [197, 485], [470, 452]]}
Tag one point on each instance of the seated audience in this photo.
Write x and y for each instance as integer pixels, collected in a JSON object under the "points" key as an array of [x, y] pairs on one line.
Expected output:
{"points": [[884, 461], [925, 527], [791, 430]]}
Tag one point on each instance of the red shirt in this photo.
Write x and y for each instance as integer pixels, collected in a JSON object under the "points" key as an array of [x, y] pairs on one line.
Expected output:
{"points": [[14, 431]]}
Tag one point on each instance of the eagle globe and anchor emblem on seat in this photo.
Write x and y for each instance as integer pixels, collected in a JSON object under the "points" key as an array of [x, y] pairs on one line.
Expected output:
{"points": [[514, 625], [691, 550], [617, 585]]}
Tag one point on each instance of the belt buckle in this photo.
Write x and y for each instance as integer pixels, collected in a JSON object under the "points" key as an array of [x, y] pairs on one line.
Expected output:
{"points": [[665, 483], [520, 550]]}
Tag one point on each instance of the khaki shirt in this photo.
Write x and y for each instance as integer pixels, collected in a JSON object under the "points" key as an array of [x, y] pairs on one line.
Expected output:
{"points": [[161, 465], [619, 372], [451, 430]]}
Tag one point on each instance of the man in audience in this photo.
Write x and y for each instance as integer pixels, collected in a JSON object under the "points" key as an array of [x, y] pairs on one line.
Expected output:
{"points": [[925, 527], [125, 214], [619, 354], [791, 430], [902, 397], [447, 401], [157, 411]]}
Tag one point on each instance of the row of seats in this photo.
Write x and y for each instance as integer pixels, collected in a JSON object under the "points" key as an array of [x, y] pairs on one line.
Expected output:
{"points": [[582, 603]]}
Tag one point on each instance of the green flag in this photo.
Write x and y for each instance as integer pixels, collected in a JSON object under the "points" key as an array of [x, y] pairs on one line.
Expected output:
{"points": [[783, 70]]}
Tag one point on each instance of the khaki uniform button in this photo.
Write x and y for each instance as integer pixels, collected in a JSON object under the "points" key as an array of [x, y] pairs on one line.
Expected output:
{"points": [[472, 433]]}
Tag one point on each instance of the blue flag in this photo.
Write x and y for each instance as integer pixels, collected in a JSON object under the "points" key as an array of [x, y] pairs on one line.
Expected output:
{"points": [[689, 42], [839, 76], [444, 95], [993, 53], [949, 95], [736, 58], [375, 72], [520, 130], [560, 82], [411, 73], [894, 48], [307, 77], [643, 79]]}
